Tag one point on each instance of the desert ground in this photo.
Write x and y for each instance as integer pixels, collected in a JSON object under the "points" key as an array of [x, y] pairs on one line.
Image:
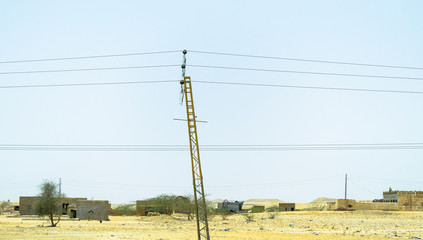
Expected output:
{"points": [[283, 225]]}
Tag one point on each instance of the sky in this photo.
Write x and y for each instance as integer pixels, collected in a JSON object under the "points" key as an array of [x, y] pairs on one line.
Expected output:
{"points": [[370, 32]]}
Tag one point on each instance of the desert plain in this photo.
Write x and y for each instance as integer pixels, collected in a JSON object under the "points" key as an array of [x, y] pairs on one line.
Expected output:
{"points": [[279, 225]]}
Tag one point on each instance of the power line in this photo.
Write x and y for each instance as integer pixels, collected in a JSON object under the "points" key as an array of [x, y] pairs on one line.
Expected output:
{"points": [[208, 52], [305, 72], [173, 148], [210, 82], [306, 60], [219, 145], [365, 189], [310, 87], [89, 57], [91, 69], [88, 84]]}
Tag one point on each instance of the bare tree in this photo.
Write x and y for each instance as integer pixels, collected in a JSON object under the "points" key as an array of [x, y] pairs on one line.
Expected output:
{"points": [[48, 202]]}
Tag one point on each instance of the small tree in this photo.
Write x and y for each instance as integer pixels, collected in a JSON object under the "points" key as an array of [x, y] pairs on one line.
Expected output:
{"points": [[163, 203], [48, 202], [3, 206], [185, 204], [249, 217]]}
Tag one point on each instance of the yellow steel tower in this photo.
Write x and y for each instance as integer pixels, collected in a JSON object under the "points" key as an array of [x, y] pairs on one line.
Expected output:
{"points": [[199, 197]]}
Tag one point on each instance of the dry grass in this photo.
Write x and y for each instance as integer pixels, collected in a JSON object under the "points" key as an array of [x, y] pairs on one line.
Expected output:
{"points": [[289, 225]]}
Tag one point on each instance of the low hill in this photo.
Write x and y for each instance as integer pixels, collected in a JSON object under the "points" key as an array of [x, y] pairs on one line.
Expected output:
{"points": [[322, 200]]}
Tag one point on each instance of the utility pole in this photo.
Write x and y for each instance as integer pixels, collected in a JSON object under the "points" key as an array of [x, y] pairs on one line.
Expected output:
{"points": [[197, 175], [346, 179], [60, 187]]}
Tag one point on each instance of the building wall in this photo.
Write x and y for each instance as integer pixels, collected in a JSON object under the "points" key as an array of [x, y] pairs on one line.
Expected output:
{"points": [[230, 206], [26, 204], [286, 207], [256, 209], [349, 204], [410, 201], [92, 210], [390, 196], [384, 206], [345, 204]]}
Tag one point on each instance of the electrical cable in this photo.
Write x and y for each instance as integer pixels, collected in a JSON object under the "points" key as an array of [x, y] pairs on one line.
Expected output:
{"points": [[217, 145], [305, 60], [238, 148], [89, 57], [365, 189], [88, 84], [209, 52], [211, 82], [304, 72], [311, 87], [91, 69]]}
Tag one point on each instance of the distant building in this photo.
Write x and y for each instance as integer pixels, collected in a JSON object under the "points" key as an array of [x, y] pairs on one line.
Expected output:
{"points": [[406, 200], [231, 206], [92, 210], [26, 204], [80, 208], [258, 208], [286, 207], [392, 201], [260, 205]]}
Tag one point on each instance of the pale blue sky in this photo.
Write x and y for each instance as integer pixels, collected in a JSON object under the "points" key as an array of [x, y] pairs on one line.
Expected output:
{"points": [[378, 32]]}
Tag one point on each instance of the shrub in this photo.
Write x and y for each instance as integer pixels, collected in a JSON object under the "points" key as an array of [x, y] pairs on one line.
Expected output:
{"points": [[125, 210], [249, 217], [272, 209]]}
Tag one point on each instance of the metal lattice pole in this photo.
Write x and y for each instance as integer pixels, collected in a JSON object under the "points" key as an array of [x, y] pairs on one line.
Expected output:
{"points": [[199, 196]]}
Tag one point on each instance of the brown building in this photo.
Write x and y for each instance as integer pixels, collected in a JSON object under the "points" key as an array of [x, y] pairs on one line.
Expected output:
{"points": [[392, 201], [92, 210], [257, 209], [286, 207], [80, 208], [143, 207], [406, 200], [26, 204]]}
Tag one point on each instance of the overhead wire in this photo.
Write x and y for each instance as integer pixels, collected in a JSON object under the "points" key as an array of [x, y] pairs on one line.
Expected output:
{"points": [[213, 53], [204, 66], [363, 188], [89, 69], [88, 57], [212, 82], [210, 148], [89, 84], [305, 60], [305, 72], [310, 87]]}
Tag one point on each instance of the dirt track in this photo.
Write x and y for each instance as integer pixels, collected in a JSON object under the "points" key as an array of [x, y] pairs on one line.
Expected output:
{"points": [[290, 225]]}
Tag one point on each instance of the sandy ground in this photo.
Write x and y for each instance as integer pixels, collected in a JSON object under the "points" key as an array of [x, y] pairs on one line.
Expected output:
{"points": [[289, 225]]}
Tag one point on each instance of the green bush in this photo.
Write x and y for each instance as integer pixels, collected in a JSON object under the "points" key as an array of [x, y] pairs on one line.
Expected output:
{"points": [[272, 209], [125, 210], [223, 213]]}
